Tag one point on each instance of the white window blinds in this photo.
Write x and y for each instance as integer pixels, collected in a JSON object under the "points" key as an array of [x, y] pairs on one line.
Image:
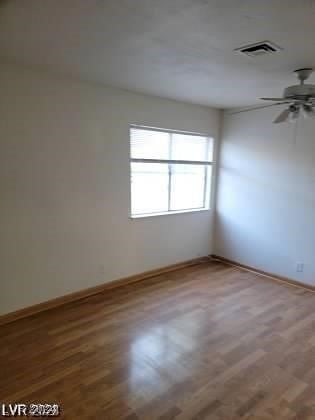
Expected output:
{"points": [[170, 172]]}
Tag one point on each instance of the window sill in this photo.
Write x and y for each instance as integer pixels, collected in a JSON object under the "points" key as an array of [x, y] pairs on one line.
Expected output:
{"points": [[168, 213]]}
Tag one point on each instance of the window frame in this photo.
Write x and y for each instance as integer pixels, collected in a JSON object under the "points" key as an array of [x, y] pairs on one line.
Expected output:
{"points": [[209, 179]]}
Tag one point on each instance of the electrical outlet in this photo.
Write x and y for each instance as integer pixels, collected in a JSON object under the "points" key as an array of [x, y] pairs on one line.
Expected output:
{"points": [[299, 267]]}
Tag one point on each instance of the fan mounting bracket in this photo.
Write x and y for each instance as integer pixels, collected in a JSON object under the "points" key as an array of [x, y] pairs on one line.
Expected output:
{"points": [[304, 73]]}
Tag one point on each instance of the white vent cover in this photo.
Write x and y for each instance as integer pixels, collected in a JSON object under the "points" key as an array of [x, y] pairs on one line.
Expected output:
{"points": [[258, 49]]}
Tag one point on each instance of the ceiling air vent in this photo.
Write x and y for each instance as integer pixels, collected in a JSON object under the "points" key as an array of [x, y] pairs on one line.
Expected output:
{"points": [[258, 49]]}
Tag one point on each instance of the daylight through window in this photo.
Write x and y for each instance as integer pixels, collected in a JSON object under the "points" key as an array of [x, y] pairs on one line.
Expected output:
{"points": [[170, 171]]}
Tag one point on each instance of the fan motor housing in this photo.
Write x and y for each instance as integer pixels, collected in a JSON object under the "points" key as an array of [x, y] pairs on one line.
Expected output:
{"points": [[299, 91]]}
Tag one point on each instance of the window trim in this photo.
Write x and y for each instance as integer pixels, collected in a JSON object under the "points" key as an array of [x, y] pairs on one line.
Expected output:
{"points": [[208, 195], [169, 130], [172, 161], [168, 213]]}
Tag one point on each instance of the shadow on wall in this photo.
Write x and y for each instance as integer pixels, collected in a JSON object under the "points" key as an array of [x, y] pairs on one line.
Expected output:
{"points": [[265, 195], [238, 241], [259, 185], [4, 3], [264, 223]]}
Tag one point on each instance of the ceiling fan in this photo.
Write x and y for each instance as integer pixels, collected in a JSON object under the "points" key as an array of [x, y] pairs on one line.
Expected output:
{"points": [[300, 99]]}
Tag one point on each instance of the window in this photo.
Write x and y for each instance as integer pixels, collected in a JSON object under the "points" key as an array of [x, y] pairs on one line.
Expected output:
{"points": [[170, 171]]}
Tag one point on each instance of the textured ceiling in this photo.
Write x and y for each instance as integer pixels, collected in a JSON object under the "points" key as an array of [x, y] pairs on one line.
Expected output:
{"points": [[181, 49]]}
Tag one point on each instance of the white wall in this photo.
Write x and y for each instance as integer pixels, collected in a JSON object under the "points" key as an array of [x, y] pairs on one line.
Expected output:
{"points": [[266, 194], [64, 186]]}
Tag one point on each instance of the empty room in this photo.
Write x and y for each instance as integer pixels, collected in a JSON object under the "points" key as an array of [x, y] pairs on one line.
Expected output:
{"points": [[157, 217]]}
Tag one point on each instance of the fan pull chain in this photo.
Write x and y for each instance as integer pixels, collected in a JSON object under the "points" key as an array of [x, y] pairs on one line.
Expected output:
{"points": [[295, 132]]}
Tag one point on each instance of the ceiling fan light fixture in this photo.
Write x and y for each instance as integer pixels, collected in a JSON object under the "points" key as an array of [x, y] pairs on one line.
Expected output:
{"points": [[290, 114], [300, 99], [294, 113], [307, 111]]}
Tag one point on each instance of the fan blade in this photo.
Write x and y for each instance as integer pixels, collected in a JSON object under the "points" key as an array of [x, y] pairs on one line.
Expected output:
{"points": [[253, 108], [275, 99], [282, 117]]}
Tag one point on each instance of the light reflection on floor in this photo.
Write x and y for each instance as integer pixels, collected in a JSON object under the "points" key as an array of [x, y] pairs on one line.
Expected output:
{"points": [[161, 355]]}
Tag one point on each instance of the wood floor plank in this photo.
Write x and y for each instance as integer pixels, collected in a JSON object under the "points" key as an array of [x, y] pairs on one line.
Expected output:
{"points": [[206, 342]]}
